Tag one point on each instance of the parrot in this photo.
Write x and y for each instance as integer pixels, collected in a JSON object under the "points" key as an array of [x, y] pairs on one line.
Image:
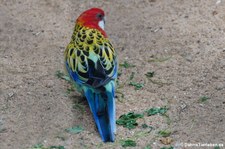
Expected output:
{"points": [[91, 62]]}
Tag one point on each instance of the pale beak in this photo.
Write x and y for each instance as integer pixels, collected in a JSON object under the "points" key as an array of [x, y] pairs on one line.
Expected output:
{"points": [[101, 23]]}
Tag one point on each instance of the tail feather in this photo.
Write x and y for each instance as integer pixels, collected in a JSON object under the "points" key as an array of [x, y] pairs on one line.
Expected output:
{"points": [[112, 112], [102, 106]]}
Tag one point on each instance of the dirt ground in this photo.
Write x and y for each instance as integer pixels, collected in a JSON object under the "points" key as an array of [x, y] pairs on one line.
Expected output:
{"points": [[181, 41]]}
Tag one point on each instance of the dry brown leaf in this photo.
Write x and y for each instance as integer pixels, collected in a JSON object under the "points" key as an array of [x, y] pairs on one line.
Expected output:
{"points": [[166, 141]]}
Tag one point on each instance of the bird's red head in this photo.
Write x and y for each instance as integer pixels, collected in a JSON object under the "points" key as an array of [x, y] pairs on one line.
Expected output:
{"points": [[93, 18]]}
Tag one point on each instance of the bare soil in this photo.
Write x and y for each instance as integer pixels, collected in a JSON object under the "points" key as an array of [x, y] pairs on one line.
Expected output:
{"points": [[181, 41]]}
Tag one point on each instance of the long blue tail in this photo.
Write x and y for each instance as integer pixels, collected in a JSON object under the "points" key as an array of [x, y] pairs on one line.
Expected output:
{"points": [[102, 105]]}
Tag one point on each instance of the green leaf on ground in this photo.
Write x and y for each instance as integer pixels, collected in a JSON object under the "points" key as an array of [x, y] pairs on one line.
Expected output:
{"points": [[38, 146], [41, 146], [128, 143], [148, 147], [75, 129], [144, 126], [216, 147], [154, 111], [57, 147], [137, 85], [164, 133], [63, 76], [125, 64], [129, 120], [203, 98], [150, 74]]}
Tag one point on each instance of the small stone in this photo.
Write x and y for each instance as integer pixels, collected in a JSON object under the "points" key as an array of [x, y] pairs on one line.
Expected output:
{"points": [[11, 94], [220, 86], [49, 83], [214, 13]]}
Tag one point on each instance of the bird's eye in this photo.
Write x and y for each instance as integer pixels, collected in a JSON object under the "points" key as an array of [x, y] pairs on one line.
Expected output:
{"points": [[100, 16]]}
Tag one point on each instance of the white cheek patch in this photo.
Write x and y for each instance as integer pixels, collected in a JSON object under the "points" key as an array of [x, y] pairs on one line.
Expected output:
{"points": [[101, 24]]}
